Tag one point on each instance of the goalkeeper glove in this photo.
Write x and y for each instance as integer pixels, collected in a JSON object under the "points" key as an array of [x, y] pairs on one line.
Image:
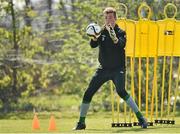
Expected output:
{"points": [[95, 37], [112, 33]]}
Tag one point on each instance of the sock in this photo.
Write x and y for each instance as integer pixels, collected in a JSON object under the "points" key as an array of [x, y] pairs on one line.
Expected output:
{"points": [[139, 115], [82, 119], [133, 105], [83, 112]]}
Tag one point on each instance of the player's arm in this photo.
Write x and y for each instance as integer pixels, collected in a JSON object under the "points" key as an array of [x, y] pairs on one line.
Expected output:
{"points": [[119, 38], [112, 33], [121, 35], [94, 42], [93, 30]]}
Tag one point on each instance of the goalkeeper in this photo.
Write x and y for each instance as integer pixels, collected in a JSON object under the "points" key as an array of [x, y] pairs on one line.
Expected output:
{"points": [[111, 45]]}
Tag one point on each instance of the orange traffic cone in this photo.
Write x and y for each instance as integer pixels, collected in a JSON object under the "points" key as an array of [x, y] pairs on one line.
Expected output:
{"points": [[35, 123], [52, 124]]}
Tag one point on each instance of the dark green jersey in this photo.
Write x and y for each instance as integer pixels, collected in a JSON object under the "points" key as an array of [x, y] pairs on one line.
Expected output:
{"points": [[111, 56]]}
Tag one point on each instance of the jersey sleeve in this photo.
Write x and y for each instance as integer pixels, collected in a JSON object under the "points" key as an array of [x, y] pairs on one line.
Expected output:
{"points": [[121, 35], [94, 44]]}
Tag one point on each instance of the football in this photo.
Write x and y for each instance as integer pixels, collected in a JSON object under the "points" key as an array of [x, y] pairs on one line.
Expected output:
{"points": [[93, 29]]}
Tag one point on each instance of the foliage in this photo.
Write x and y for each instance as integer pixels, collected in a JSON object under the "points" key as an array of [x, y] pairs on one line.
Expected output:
{"points": [[53, 55]]}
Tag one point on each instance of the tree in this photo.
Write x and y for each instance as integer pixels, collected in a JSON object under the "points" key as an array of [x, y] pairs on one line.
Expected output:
{"points": [[51, 49]]}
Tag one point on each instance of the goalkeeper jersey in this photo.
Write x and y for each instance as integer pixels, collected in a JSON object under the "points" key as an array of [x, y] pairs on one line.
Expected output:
{"points": [[111, 56]]}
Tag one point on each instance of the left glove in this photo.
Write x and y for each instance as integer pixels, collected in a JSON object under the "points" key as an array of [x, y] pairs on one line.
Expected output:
{"points": [[95, 37], [112, 33]]}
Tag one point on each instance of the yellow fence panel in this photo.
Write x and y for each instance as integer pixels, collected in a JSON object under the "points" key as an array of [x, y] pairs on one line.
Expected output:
{"points": [[166, 37], [176, 49], [149, 45], [129, 27], [146, 38]]}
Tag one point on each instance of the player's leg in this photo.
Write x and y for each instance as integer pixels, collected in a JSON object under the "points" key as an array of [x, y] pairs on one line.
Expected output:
{"points": [[119, 81], [97, 80]]}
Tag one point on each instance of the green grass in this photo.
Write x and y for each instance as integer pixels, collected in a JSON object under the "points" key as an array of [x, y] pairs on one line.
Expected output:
{"points": [[96, 123]]}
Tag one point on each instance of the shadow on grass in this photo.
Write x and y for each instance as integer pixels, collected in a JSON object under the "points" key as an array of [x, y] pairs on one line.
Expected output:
{"points": [[118, 130], [98, 130], [154, 128], [131, 130], [134, 130]]}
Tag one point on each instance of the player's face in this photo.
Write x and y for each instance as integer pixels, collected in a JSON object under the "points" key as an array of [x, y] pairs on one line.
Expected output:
{"points": [[110, 19]]}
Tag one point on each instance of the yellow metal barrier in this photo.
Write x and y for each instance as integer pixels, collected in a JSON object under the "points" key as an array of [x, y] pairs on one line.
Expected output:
{"points": [[112, 100], [150, 41], [176, 91], [166, 44], [129, 27]]}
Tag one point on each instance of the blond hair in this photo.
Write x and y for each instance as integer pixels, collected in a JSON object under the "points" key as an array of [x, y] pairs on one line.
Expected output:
{"points": [[110, 10]]}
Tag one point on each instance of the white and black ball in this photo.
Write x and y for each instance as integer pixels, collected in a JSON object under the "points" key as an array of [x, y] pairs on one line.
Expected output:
{"points": [[93, 29]]}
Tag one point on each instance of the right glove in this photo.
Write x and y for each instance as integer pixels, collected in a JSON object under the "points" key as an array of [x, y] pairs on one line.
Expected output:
{"points": [[112, 33]]}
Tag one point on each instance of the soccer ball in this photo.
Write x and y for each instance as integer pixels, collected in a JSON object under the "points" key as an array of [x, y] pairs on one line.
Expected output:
{"points": [[93, 29]]}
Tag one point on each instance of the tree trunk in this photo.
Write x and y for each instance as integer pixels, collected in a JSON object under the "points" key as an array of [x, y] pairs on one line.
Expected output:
{"points": [[49, 24], [63, 9], [27, 18], [14, 65]]}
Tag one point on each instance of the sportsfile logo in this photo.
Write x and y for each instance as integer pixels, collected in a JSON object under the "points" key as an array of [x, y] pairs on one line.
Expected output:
{"points": [[169, 32]]}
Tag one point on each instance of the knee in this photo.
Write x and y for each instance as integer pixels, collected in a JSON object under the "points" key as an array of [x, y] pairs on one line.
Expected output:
{"points": [[122, 93], [87, 96]]}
